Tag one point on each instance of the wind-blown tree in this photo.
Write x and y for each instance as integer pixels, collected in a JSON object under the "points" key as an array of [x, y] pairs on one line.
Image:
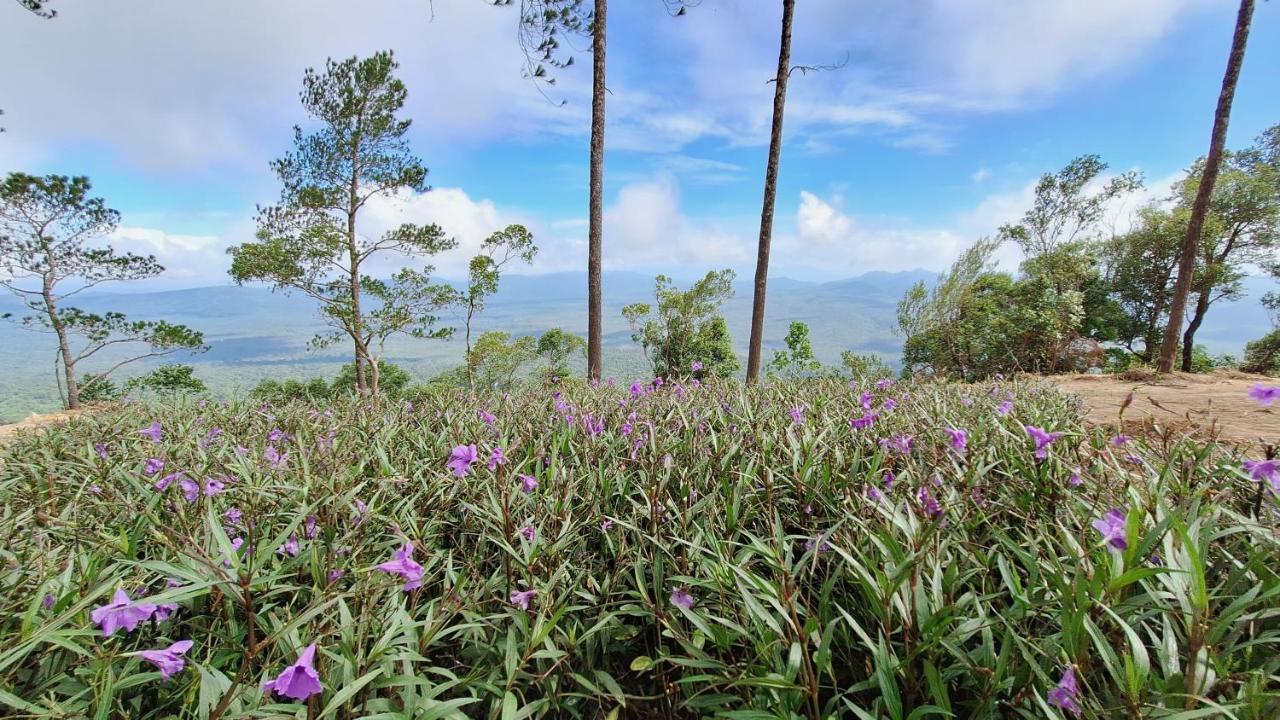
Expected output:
{"points": [[46, 224], [1241, 228], [1066, 207], [1138, 267], [543, 23], [556, 346], [513, 242], [684, 335], [1204, 193], [754, 345], [311, 241]]}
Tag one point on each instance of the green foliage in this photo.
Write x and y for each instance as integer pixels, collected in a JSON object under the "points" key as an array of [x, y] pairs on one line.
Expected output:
{"points": [[392, 378], [309, 242], [45, 260], [168, 380], [1067, 208], [977, 322], [94, 389], [865, 366], [811, 597], [274, 390], [1262, 355], [514, 242], [797, 360], [556, 346], [498, 359], [686, 328]]}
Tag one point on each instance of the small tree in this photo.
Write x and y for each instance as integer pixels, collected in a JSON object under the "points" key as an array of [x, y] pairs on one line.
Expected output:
{"points": [[797, 360], [45, 226], [1066, 208], [556, 347], [497, 359], [686, 327], [863, 366], [168, 380], [511, 243], [310, 242]]}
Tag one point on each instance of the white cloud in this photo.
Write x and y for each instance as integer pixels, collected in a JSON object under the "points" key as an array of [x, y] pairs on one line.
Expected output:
{"points": [[188, 260], [981, 175]]}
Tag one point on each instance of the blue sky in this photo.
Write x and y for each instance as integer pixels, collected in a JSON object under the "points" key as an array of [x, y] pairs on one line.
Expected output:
{"points": [[929, 135]]}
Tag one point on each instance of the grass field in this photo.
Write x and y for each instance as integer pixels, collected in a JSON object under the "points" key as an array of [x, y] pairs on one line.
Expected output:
{"points": [[661, 550]]}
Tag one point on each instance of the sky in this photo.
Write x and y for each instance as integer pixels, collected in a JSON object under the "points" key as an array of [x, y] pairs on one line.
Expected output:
{"points": [[928, 131]]}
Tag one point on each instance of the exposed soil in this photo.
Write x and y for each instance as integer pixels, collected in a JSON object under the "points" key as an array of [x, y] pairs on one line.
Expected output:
{"points": [[33, 423], [1213, 406]]}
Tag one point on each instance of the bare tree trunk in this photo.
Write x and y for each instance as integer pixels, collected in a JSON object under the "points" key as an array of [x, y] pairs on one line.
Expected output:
{"points": [[72, 400], [471, 374], [770, 194], [1195, 226], [1189, 337], [595, 333]]}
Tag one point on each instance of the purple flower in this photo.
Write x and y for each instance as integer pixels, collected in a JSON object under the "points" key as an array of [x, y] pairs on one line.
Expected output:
{"points": [[821, 545], [874, 494], [593, 425], [290, 547], [309, 528], [336, 574], [606, 525], [210, 436], [959, 439], [121, 612], [1004, 408], [163, 483], [298, 681], [496, 459], [101, 450], [1113, 528], [487, 417], [168, 660], [929, 503], [1120, 440], [274, 457], [153, 431], [153, 467], [1265, 395], [528, 533], [164, 610], [405, 566], [276, 435], [47, 601], [1260, 470], [528, 483], [233, 516], [1075, 480], [461, 458], [95, 489], [190, 489], [889, 404], [884, 383], [1042, 439], [213, 486], [1066, 695], [864, 422], [362, 511], [681, 598], [521, 599], [637, 389], [797, 415], [899, 443], [865, 400]]}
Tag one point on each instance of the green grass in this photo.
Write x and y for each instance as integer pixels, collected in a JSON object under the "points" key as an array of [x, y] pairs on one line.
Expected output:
{"points": [[810, 598]]}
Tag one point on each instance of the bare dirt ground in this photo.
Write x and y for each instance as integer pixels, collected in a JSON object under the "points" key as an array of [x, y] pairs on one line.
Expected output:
{"points": [[32, 424], [1213, 406]]}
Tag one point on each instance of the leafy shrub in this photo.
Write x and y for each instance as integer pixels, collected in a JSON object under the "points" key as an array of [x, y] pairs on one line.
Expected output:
{"points": [[391, 379], [168, 380], [865, 366], [99, 389], [684, 335], [1262, 355], [287, 390], [797, 360], [713, 551]]}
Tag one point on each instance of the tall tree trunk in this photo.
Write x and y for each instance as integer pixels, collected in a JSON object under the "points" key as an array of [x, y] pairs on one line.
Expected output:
{"points": [[595, 333], [770, 194], [356, 324], [1189, 337], [1195, 226], [59, 328]]}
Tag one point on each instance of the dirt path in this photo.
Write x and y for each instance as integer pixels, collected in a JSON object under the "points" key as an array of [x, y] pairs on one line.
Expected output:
{"points": [[1212, 405]]}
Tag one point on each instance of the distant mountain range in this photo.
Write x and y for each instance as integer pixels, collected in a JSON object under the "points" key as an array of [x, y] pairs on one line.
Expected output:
{"points": [[253, 333]]}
